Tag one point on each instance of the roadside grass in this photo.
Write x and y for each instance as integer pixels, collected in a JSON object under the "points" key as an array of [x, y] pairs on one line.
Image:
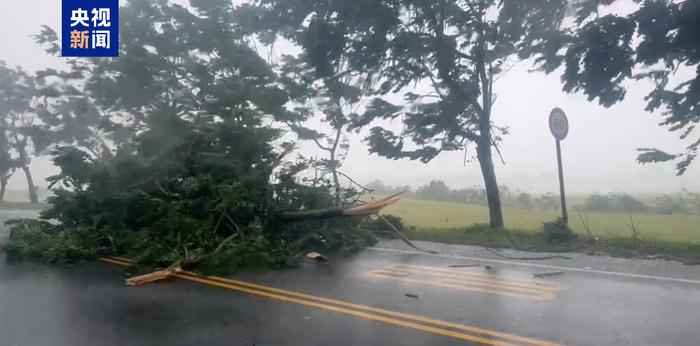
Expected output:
{"points": [[527, 240], [674, 237], [19, 200], [432, 215], [22, 205]]}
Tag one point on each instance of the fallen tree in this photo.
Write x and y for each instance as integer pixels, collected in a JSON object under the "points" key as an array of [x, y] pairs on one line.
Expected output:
{"points": [[195, 220], [183, 164], [362, 210]]}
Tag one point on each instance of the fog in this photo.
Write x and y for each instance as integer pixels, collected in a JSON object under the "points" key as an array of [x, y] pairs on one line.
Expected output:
{"points": [[598, 154]]}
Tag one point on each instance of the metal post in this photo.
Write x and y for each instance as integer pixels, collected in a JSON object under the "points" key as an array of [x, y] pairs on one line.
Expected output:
{"points": [[564, 214]]}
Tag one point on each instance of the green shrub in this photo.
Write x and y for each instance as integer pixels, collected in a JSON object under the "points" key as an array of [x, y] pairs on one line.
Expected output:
{"points": [[558, 232]]}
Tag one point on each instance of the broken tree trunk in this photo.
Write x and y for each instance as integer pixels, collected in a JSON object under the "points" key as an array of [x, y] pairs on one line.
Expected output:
{"points": [[361, 210]]}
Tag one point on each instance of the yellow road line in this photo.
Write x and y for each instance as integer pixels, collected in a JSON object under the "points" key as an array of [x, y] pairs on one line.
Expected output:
{"points": [[494, 290], [374, 317], [115, 261], [500, 282], [505, 288], [541, 283], [364, 311], [394, 313], [122, 259], [472, 272], [391, 273]]}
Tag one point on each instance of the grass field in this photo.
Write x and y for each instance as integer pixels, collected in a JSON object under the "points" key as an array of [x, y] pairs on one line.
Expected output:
{"points": [[441, 215], [22, 205], [15, 199]]}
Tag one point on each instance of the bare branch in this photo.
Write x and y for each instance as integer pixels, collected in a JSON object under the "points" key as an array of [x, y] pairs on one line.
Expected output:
{"points": [[633, 228], [401, 235], [321, 145], [223, 243], [498, 151], [504, 72], [435, 84], [465, 156], [354, 182]]}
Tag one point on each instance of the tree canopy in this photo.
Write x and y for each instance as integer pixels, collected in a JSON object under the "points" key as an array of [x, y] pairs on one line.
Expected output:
{"points": [[600, 52], [457, 48]]}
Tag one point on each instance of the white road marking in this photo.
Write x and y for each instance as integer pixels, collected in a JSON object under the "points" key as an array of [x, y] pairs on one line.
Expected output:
{"points": [[534, 265]]}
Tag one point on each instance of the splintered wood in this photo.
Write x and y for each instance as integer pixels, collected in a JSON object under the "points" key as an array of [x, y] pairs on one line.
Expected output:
{"points": [[373, 207], [151, 277]]}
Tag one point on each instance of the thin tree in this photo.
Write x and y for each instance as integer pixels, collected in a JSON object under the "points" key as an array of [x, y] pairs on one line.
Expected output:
{"points": [[17, 92], [7, 162], [335, 100]]}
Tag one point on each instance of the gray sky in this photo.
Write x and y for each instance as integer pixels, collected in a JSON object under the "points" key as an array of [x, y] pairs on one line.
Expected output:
{"points": [[599, 153]]}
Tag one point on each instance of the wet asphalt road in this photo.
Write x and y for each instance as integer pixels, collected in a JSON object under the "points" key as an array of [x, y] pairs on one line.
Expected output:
{"points": [[601, 301]]}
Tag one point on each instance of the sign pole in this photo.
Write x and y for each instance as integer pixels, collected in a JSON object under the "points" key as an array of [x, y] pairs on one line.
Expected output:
{"points": [[562, 194], [559, 126]]}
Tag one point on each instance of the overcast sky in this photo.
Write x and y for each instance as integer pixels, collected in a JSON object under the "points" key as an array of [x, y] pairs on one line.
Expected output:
{"points": [[599, 153]]}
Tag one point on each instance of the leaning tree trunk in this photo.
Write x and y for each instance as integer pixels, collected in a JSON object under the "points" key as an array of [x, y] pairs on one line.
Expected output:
{"points": [[483, 153], [334, 167], [483, 145], [30, 185], [3, 186]]}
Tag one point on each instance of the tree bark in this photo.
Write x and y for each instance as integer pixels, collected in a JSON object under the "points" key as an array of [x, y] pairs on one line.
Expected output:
{"points": [[3, 186], [334, 167], [493, 197], [24, 161], [483, 146], [30, 185]]}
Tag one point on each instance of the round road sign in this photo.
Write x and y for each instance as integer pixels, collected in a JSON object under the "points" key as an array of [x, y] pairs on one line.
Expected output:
{"points": [[558, 123]]}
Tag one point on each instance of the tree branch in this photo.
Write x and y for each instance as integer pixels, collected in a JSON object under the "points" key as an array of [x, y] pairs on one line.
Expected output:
{"points": [[402, 236], [433, 81], [354, 182], [313, 139], [320, 145], [498, 151]]}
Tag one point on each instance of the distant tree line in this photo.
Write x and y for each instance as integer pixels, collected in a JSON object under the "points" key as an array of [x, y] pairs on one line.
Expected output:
{"points": [[614, 202], [438, 190], [683, 202]]}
